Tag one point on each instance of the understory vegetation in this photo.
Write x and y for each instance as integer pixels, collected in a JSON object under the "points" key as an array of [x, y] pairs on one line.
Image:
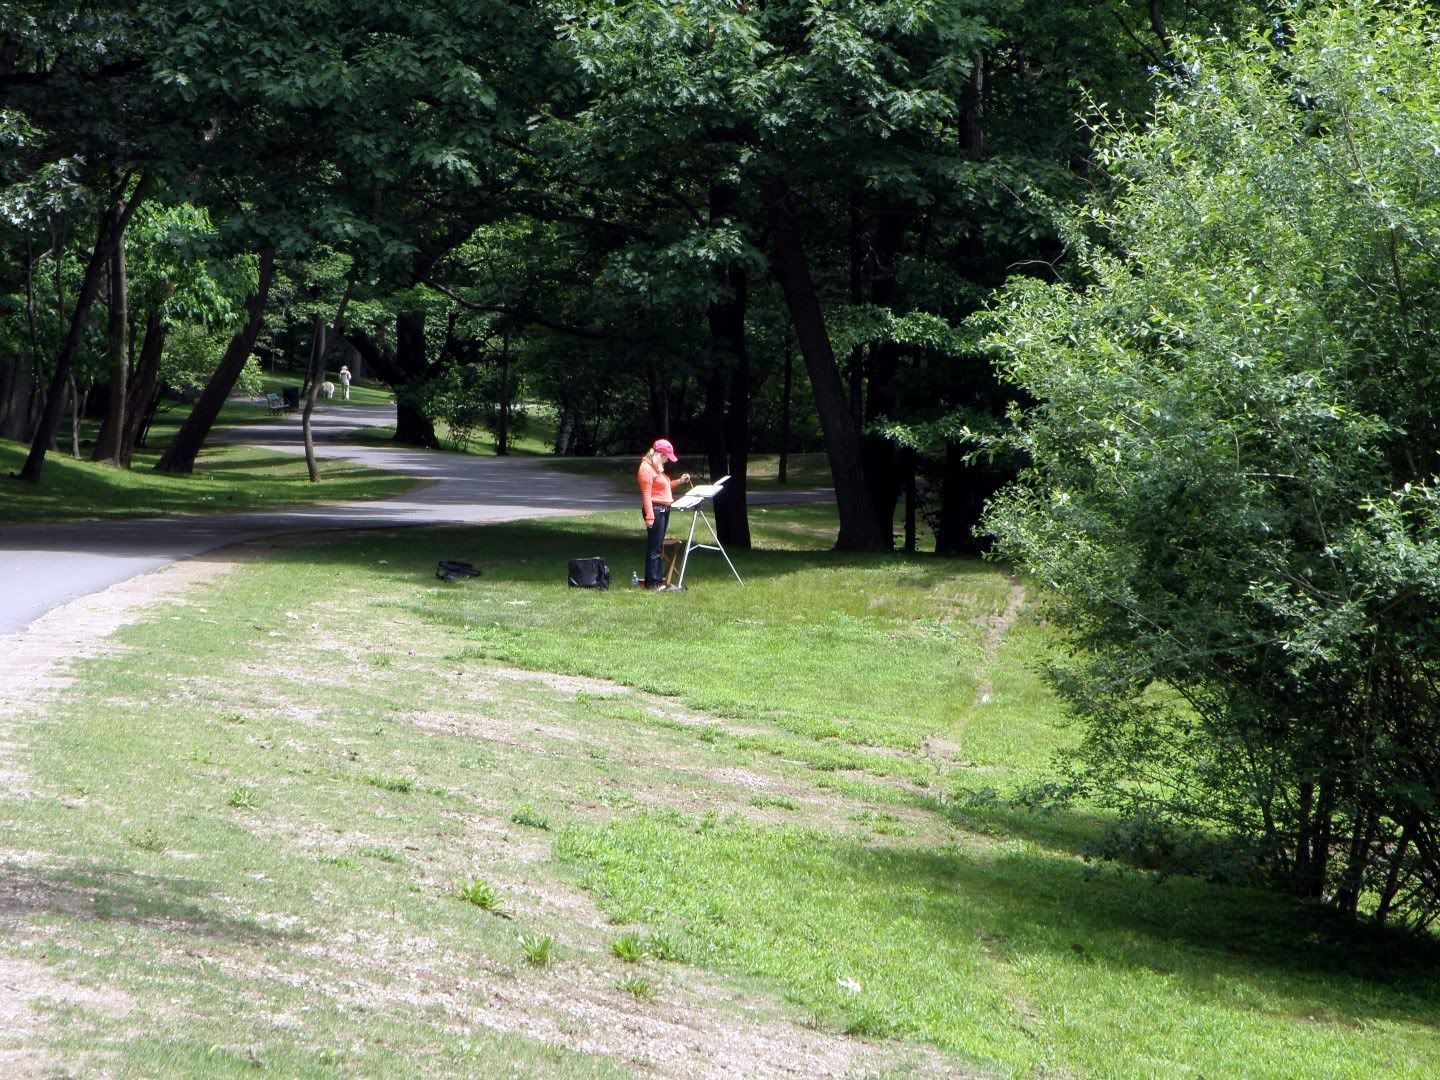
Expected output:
{"points": [[330, 816], [1233, 484]]}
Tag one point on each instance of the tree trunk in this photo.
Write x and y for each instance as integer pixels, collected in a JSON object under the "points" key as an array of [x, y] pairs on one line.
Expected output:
{"points": [[112, 431], [791, 268], [111, 228], [412, 426], [857, 296], [564, 428], [143, 385], [881, 456], [77, 407], [961, 502], [20, 375], [12, 373], [9, 52], [728, 429], [319, 352], [966, 486], [910, 502], [406, 367], [727, 326], [655, 398], [785, 412], [502, 432], [712, 421], [180, 455], [732, 518], [312, 382], [1392, 873]]}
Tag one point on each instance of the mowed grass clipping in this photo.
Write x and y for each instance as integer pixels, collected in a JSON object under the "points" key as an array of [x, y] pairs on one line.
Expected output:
{"points": [[226, 478], [1020, 960], [863, 651], [260, 818]]}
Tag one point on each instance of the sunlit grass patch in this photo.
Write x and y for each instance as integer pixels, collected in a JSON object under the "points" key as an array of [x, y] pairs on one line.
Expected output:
{"points": [[226, 478], [1007, 954], [873, 651]]}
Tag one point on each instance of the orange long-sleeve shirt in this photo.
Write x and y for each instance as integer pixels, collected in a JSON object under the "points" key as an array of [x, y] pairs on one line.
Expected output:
{"points": [[654, 489]]}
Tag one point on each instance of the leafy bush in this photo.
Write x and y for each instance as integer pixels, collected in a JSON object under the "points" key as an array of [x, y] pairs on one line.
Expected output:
{"points": [[1233, 485], [637, 987], [539, 949], [629, 947], [480, 893]]}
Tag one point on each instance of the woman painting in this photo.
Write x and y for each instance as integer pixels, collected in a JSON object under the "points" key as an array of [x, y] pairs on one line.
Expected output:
{"points": [[655, 500]]}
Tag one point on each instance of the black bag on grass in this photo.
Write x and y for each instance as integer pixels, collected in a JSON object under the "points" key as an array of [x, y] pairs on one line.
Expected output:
{"points": [[450, 569], [589, 573]]}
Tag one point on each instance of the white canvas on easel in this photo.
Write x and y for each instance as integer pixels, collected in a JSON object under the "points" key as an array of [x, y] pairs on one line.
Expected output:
{"points": [[694, 500]]}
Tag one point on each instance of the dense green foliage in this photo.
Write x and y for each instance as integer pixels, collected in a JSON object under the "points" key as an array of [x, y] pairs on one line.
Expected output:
{"points": [[1233, 487], [643, 214]]}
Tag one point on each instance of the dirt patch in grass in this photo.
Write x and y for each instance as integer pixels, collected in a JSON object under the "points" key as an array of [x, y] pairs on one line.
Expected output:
{"points": [[27, 992], [682, 1035], [646, 749], [996, 627], [37, 668], [702, 1025]]}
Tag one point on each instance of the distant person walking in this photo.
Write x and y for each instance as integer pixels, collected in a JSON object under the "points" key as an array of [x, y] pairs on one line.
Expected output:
{"points": [[655, 500], [345, 382]]}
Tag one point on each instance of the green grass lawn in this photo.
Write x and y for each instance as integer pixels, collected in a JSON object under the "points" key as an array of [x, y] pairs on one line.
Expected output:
{"points": [[330, 816], [225, 477], [366, 393], [528, 444]]}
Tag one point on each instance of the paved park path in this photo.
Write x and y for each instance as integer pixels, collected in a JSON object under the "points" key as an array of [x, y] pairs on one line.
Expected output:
{"points": [[45, 566]]}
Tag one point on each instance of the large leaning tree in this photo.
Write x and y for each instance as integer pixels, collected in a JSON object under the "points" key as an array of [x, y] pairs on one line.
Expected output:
{"points": [[371, 128], [1233, 484]]}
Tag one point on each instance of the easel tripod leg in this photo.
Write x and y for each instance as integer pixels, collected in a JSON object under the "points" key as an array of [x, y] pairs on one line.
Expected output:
{"points": [[689, 544], [720, 548]]}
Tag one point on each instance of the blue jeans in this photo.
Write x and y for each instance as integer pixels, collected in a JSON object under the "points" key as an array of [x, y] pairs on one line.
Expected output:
{"points": [[654, 546]]}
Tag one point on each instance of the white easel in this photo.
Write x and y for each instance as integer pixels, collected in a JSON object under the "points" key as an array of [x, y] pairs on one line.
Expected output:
{"points": [[694, 500]]}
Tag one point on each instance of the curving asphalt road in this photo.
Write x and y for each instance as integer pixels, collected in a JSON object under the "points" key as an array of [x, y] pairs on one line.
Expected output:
{"points": [[44, 566]]}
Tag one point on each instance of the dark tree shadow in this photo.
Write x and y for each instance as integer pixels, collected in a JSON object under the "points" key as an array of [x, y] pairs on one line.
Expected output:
{"points": [[101, 893], [1203, 937]]}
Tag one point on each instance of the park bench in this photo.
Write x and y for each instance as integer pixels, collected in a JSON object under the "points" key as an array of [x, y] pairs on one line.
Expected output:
{"points": [[276, 403]]}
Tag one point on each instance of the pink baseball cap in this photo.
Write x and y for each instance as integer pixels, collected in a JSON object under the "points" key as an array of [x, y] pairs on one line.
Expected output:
{"points": [[663, 446]]}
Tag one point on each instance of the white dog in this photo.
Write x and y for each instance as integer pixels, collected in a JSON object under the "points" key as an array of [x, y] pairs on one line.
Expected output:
{"points": [[327, 389]]}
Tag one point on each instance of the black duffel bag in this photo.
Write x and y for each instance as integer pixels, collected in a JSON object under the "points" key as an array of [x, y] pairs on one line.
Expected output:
{"points": [[589, 573]]}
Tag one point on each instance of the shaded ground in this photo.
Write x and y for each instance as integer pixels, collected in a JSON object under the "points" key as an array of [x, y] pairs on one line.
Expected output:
{"points": [[42, 566]]}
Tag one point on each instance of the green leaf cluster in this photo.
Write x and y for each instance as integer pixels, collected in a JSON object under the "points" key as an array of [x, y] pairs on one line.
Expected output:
{"points": [[1233, 459]]}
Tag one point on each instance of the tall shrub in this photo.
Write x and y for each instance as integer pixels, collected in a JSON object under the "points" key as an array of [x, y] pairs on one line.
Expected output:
{"points": [[1233, 487]]}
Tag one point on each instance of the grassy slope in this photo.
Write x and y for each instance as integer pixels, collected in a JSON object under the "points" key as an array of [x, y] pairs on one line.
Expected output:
{"points": [[274, 831], [225, 477]]}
